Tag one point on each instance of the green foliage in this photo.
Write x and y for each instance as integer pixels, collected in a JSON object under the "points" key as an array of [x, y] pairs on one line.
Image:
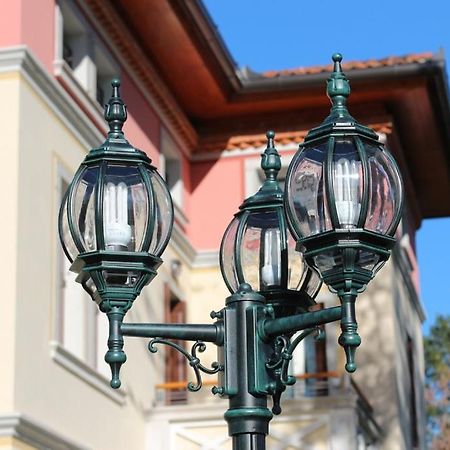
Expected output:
{"points": [[437, 372]]}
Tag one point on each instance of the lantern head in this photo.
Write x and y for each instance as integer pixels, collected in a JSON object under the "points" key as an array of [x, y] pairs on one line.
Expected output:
{"points": [[344, 195], [258, 249], [117, 215]]}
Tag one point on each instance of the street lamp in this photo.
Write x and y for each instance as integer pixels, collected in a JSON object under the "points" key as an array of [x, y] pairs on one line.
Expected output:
{"points": [[258, 249], [343, 202]]}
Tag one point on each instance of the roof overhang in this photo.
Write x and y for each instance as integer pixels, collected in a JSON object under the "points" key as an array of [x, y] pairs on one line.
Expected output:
{"points": [[181, 41]]}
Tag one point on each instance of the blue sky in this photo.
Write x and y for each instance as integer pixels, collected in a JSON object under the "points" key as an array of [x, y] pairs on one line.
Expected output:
{"points": [[280, 34]]}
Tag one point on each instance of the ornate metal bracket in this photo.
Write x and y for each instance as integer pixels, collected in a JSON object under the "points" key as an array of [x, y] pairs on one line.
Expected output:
{"points": [[279, 363], [193, 359]]}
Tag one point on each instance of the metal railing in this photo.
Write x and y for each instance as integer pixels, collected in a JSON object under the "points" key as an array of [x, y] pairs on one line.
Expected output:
{"points": [[308, 385]]}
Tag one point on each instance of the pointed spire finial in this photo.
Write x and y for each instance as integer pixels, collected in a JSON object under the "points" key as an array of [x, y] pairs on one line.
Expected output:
{"points": [[338, 90], [115, 111], [270, 159]]}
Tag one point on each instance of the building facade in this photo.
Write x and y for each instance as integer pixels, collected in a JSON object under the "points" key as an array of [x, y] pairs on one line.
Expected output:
{"points": [[202, 120]]}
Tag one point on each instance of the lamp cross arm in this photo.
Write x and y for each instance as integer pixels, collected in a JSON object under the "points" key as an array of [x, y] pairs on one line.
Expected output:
{"points": [[187, 332], [278, 326]]}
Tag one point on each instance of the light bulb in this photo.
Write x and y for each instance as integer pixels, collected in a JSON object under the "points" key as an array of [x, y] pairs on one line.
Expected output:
{"points": [[346, 191], [271, 268], [117, 231]]}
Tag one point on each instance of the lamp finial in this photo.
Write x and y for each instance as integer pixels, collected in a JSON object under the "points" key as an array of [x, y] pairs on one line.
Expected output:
{"points": [[271, 161], [115, 111], [338, 90]]}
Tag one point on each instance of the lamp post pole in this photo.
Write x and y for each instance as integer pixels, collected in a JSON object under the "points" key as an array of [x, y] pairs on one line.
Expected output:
{"points": [[341, 207]]}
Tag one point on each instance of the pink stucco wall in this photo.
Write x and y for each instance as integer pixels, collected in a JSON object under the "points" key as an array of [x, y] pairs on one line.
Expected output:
{"points": [[142, 127], [217, 191], [30, 23]]}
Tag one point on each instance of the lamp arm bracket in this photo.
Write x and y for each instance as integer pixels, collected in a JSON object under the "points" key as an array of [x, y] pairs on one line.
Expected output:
{"points": [[279, 363], [273, 327], [193, 359], [179, 331]]}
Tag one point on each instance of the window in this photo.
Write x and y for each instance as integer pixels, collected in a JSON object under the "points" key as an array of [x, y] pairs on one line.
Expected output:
{"points": [[81, 59], [170, 168], [81, 330], [176, 370]]}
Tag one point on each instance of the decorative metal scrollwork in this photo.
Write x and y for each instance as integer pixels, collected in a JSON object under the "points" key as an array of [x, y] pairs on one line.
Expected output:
{"points": [[193, 359], [279, 363]]}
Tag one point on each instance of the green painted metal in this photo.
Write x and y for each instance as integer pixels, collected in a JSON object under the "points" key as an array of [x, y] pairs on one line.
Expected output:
{"points": [[254, 332], [113, 278], [269, 199], [194, 332], [345, 245], [270, 328]]}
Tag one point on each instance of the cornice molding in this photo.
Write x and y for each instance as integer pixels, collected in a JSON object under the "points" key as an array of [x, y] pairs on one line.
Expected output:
{"points": [[122, 43], [36, 434], [20, 59]]}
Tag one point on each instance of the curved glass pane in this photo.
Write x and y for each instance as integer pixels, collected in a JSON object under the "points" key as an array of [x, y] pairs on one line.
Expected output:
{"points": [[367, 260], [305, 192], [313, 283], [261, 250], [227, 260], [163, 215], [331, 259], [125, 208], [347, 182], [83, 208], [296, 265], [385, 191], [70, 249]]}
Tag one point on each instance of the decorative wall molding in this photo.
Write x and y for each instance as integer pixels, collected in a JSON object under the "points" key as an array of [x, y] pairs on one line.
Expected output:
{"points": [[123, 45], [21, 59], [193, 258], [65, 76], [86, 373], [36, 434]]}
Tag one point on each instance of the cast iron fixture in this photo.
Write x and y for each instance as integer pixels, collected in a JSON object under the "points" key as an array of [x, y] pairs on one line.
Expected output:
{"points": [[343, 201]]}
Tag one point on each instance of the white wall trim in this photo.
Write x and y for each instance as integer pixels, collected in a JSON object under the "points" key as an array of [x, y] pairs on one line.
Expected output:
{"points": [[193, 258], [20, 59], [65, 74], [86, 373], [36, 434]]}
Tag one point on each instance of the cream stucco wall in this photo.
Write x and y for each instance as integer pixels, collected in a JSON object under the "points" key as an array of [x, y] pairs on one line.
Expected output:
{"points": [[9, 118], [32, 383]]}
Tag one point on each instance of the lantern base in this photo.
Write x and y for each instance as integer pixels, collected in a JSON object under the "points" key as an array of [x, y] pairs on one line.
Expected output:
{"points": [[107, 275]]}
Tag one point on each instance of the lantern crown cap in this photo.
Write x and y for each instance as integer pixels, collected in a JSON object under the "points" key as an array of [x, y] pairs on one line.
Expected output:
{"points": [[339, 120], [270, 191], [116, 145], [115, 111]]}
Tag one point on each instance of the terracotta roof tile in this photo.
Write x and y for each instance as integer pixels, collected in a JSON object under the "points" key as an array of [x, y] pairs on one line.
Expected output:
{"points": [[353, 65], [282, 138]]}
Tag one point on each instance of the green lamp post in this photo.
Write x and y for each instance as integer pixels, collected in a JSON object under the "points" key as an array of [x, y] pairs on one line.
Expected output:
{"points": [[343, 202]]}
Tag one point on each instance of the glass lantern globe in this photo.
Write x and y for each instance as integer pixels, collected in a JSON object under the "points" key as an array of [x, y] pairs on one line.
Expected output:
{"points": [[116, 217], [344, 195], [258, 249], [344, 199]]}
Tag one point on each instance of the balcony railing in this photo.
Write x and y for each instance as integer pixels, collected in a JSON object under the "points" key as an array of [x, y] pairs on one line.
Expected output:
{"points": [[308, 385]]}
